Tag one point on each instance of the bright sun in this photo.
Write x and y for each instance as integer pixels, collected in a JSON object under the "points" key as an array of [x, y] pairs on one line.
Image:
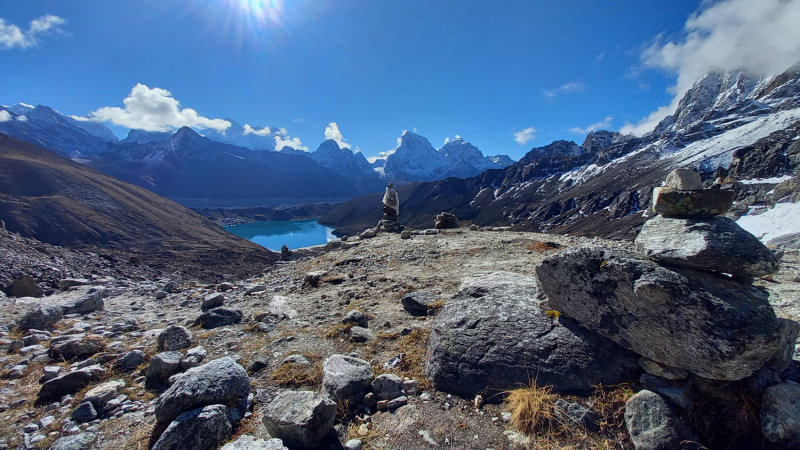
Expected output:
{"points": [[263, 10]]}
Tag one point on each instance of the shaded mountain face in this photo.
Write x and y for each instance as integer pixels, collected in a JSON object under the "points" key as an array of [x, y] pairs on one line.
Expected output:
{"points": [[342, 160], [604, 186], [143, 137], [60, 202]]}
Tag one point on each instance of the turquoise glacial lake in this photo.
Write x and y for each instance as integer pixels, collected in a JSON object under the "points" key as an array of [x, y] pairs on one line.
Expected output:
{"points": [[293, 233]]}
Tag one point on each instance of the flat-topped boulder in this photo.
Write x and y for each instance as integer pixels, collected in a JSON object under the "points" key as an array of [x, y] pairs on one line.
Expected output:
{"points": [[706, 203], [493, 334], [715, 243], [706, 323]]}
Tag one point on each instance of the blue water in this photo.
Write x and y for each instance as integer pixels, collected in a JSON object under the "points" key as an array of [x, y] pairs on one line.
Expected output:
{"points": [[274, 234]]}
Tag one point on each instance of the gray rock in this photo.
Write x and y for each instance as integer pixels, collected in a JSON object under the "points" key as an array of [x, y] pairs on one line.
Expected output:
{"points": [[50, 372], [131, 360], [676, 392], [80, 441], [300, 419], [69, 383], [170, 286], [221, 381], [174, 337], [162, 366], [715, 243], [211, 301], [763, 379], [780, 415], [663, 371], [417, 303], [346, 379], [708, 324], [15, 345], [397, 402], [219, 317], [357, 317], [577, 414], [652, 424], [492, 334], [25, 287], [99, 395], [203, 428], [388, 386], [67, 283], [706, 203], [788, 241], [193, 358], [161, 295], [786, 346], [296, 359], [313, 278], [249, 443], [84, 303], [224, 287], [78, 348], [41, 316], [85, 412], [358, 334], [405, 234], [684, 180]]}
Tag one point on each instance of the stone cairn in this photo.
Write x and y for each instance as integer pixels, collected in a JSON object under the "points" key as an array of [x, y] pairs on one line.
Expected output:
{"points": [[445, 220], [391, 207]]}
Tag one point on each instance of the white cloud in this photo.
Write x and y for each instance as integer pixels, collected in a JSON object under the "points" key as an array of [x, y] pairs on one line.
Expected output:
{"points": [[524, 136], [155, 110], [759, 37], [567, 88], [11, 36], [258, 132], [4, 116], [446, 140], [382, 155], [294, 143], [332, 132], [298, 120], [22, 118], [458, 137], [603, 124], [282, 131]]}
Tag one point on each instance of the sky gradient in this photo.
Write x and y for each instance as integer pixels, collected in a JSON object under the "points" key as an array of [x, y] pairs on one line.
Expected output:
{"points": [[506, 76]]}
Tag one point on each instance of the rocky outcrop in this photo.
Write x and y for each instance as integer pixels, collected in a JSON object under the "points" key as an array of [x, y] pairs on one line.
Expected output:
{"points": [[708, 324], [494, 335], [221, 381], [717, 244], [41, 316], [300, 419]]}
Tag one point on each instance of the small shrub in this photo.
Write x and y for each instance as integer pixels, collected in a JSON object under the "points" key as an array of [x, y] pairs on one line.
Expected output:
{"points": [[531, 408]]}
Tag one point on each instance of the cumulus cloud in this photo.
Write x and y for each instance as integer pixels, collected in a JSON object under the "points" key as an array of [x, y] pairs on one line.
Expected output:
{"points": [[332, 132], [294, 143], [155, 110], [525, 136], [258, 132], [567, 88], [603, 124], [22, 118], [11, 36], [760, 38], [4, 116], [282, 131]]}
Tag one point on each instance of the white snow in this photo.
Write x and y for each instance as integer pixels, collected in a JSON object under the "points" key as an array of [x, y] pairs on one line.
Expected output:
{"points": [[773, 180], [782, 219]]}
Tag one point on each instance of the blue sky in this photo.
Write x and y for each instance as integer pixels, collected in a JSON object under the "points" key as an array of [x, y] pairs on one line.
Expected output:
{"points": [[487, 71]]}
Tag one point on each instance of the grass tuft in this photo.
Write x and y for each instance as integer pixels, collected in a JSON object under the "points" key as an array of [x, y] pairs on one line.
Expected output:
{"points": [[299, 375], [531, 409], [541, 247]]}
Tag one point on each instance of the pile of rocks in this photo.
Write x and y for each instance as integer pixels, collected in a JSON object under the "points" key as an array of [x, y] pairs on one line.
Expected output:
{"points": [[445, 220], [389, 224]]}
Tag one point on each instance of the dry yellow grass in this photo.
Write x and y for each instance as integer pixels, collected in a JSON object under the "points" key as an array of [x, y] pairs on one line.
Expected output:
{"points": [[531, 409], [338, 330], [298, 375], [542, 246]]}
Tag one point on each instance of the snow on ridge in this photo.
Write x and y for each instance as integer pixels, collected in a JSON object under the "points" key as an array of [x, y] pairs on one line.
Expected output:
{"points": [[773, 180], [780, 220]]}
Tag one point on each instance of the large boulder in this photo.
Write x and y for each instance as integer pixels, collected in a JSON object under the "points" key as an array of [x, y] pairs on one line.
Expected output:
{"points": [[388, 386], [780, 415], [25, 286], [69, 383], [250, 443], [653, 425], [346, 379], [706, 323], [221, 381], [219, 317], [203, 428], [300, 419], [493, 334], [174, 337], [715, 243], [40, 316], [83, 302], [705, 203], [78, 348], [162, 366]]}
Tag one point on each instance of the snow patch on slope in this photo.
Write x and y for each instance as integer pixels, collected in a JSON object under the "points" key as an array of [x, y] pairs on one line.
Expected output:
{"points": [[782, 219]]}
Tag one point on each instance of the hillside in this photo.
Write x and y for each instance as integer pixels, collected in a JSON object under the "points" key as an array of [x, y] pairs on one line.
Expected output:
{"points": [[60, 202]]}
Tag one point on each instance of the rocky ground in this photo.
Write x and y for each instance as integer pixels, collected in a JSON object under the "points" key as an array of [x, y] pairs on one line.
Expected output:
{"points": [[295, 307]]}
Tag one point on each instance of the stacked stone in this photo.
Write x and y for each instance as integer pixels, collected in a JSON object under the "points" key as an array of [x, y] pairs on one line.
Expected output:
{"points": [[690, 232], [389, 222], [445, 220]]}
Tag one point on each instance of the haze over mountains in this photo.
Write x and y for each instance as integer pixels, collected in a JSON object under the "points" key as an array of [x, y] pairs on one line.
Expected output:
{"points": [[240, 167]]}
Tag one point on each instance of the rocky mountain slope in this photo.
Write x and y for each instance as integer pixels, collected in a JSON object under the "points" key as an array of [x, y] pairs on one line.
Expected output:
{"points": [[604, 186], [60, 202]]}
